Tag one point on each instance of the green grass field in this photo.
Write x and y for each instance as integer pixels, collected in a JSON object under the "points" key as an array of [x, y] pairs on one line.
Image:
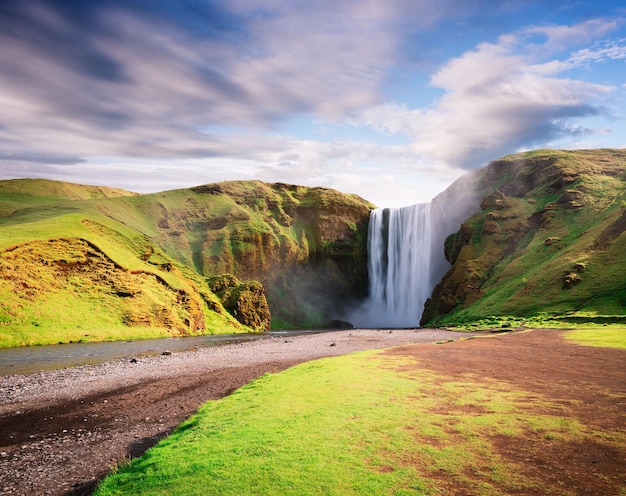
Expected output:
{"points": [[367, 423], [42, 304]]}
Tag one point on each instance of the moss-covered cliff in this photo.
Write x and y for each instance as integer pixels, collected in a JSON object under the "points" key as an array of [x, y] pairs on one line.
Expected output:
{"points": [[547, 241], [307, 246]]}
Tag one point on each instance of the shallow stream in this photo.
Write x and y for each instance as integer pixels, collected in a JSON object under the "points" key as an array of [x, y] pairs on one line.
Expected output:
{"points": [[30, 359]]}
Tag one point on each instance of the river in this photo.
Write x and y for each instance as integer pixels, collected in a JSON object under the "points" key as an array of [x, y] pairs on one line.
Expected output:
{"points": [[30, 359]]}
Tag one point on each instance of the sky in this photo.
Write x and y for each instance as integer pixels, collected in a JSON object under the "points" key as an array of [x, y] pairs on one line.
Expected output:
{"points": [[389, 99]]}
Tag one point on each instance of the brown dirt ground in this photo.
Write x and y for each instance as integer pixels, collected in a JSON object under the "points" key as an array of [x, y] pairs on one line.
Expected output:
{"points": [[71, 445], [588, 383], [89, 435]]}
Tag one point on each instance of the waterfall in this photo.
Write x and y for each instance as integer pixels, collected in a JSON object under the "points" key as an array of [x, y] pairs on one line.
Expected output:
{"points": [[399, 247], [406, 256]]}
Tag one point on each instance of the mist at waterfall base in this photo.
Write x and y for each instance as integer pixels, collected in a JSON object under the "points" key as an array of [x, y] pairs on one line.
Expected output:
{"points": [[406, 257]]}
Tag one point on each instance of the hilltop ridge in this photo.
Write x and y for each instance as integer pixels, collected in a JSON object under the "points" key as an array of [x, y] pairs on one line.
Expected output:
{"points": [[16, 194]]}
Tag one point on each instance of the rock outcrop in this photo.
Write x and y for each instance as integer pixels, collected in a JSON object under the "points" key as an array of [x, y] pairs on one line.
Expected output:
{"points": [[243, 300], [306, 246]]}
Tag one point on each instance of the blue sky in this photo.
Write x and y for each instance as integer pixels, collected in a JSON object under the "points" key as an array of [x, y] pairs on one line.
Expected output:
{"points": [[389, 99]]}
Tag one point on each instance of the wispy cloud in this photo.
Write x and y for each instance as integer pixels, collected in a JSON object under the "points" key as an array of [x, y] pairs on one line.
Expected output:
{"points": [[127, 85]]}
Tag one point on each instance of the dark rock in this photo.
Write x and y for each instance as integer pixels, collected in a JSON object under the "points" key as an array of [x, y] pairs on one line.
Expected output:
{"points": [[551, 240], [497, 200], [571, 199], [340, 324], [212, 189], [570, 279]]}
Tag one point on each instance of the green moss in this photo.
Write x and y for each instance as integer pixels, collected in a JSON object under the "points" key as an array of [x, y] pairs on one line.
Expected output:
{"points": [[244, 301]]}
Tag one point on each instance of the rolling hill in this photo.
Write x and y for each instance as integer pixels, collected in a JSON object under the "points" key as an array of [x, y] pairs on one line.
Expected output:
{"points": [[77, 262]]}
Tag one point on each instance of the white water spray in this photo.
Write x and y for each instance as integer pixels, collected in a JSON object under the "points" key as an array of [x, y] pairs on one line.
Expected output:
{"points": [[399, 246]]}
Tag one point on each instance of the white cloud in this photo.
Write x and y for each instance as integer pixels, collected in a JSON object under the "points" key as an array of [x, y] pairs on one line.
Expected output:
{"points": [[156, 106], [500, 97], [599, 52], [564, 37], [165, 85]]}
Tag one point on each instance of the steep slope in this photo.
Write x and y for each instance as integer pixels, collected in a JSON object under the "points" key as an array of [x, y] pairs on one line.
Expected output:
{"points": [[548, 241], [307, 246], [85, 277]]}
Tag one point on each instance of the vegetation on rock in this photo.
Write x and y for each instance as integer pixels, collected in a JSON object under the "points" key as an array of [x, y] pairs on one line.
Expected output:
{"points": [[547, 242], [307, 246], [245, 301]]}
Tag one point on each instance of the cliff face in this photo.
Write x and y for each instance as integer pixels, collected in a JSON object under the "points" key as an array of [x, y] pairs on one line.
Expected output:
{"points": [[547, 240], [307, 246]]}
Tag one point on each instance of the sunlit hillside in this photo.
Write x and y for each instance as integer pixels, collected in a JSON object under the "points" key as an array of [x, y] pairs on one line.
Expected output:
{"points": [[93, 263]]}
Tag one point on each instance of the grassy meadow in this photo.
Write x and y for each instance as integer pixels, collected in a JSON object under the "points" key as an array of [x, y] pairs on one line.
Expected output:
{"points": [[367, 423], [611, 337]]}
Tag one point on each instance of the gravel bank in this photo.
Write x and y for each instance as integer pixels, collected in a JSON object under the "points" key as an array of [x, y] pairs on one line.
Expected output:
{"points": [[62, 431]]}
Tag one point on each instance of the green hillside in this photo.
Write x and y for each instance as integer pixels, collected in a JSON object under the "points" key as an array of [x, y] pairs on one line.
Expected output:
{"points": [[547, 243], [22, 193], [307, 246], [90, 263]]}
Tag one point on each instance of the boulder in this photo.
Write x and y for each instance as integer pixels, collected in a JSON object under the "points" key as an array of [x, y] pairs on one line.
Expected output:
{"points": [[496, 200], [570, 279]]}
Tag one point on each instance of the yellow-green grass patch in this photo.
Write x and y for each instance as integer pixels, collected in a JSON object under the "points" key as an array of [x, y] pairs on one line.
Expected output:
{"points": [[611, 337]]}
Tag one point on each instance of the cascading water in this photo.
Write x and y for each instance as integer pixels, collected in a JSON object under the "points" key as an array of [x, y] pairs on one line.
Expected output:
{"points": [[406, 254], [399, 246]]}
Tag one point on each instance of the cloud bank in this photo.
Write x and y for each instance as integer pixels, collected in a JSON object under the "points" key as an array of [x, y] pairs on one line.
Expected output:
{"points": [[504, 96], [157, 95]]}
